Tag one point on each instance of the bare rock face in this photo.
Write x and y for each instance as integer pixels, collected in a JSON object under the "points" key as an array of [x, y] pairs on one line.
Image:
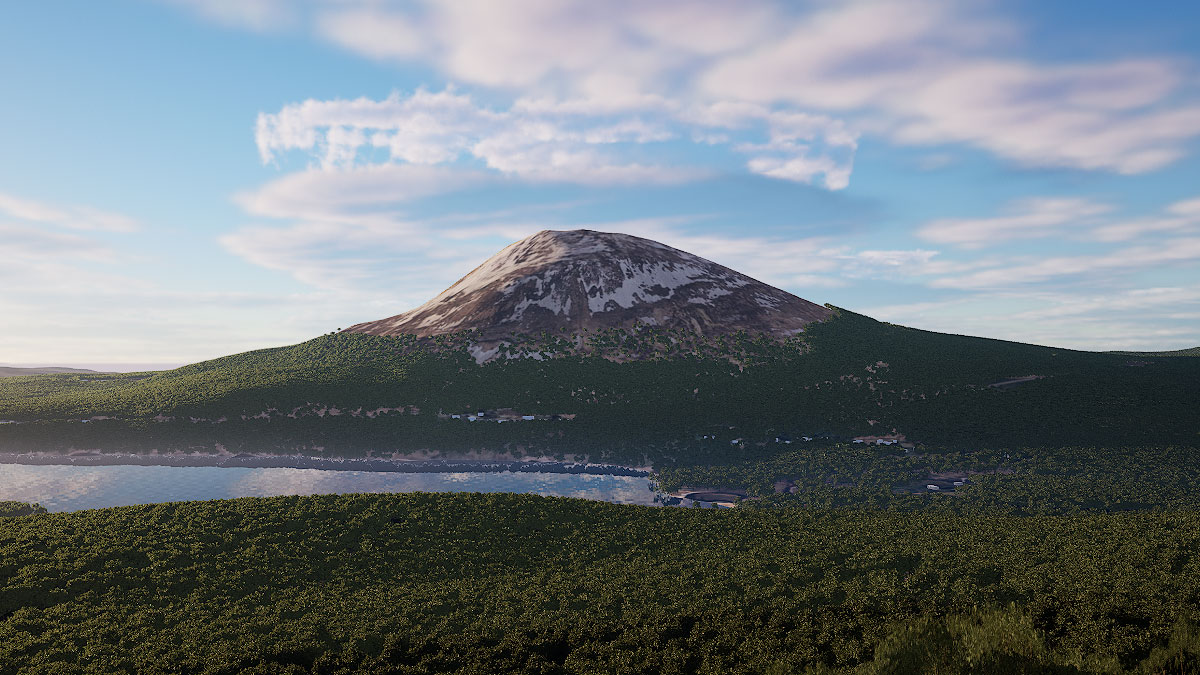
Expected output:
{"points": [[582, 281]]}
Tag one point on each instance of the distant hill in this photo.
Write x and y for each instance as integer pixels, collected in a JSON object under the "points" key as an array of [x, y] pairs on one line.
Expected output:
{"points": [[8, 371], [1194, 351]]}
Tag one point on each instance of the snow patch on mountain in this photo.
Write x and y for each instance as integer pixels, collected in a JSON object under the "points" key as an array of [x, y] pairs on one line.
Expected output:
{"points": [[582, 280]]}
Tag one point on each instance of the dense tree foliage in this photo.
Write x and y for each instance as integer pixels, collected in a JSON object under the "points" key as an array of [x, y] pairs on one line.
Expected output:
{"points": [[641, 395], [1072, 546], [1018, 482], [516, 583], [18, 509]]}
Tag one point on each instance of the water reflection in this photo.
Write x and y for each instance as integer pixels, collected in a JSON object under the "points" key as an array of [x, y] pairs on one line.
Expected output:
{"points": [[73, 488]]}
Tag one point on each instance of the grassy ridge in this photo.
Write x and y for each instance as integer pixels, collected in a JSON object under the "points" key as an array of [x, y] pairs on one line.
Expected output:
{"points": [[515, 583], [850, 375]]}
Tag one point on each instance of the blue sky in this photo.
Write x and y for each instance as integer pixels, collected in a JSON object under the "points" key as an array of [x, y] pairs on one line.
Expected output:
{"points": [[191, 178]]}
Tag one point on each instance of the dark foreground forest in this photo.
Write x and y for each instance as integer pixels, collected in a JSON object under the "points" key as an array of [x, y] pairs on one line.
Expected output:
{"points": [[448, 583]]}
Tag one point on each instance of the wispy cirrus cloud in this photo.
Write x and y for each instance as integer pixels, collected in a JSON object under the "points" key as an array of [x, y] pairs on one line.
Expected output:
{"points": [[1168, 301], [372, 191], [1027, 219], [1179, 218], [52, 247], [261, 15], [72, 217], [1185, 250], [1145, 319]]}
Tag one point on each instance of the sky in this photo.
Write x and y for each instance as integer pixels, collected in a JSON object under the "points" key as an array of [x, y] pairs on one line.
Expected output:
{"points": [[185, 179]]}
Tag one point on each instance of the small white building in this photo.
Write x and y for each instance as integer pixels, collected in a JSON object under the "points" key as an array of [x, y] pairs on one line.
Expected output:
{"points": [[528, 417], [932, 487], [471, 418]]}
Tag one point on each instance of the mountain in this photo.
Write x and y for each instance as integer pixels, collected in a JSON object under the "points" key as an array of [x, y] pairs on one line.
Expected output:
{"points": [[620, 349], [10, 371], [582, 281]]}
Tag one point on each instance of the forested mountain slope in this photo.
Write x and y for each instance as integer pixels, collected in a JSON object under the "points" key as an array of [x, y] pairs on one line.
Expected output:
{"points": [[640, 390]]}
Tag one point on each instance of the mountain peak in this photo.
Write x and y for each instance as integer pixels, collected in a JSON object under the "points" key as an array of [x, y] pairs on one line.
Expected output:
{"points": [[584, 280]]}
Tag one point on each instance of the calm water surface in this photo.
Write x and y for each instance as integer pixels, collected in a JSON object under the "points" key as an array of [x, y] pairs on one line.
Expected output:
{"points": [[73, 488]]}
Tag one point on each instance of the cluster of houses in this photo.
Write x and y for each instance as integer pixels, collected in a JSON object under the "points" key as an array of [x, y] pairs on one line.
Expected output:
{"points": [[785, 439], [504, 415], [894, 439], [942, 485], [891, 439], [782, 438]]}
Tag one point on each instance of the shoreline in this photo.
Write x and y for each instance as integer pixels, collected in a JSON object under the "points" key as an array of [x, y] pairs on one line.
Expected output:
{"points": [[373, 464]]}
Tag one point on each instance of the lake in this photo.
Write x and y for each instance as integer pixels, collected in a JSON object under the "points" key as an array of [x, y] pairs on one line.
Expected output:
{"points": [[74, 488]]}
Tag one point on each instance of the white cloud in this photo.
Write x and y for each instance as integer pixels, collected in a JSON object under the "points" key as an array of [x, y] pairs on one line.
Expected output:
{"points": [[1086, 117], [926, 71], [261, 15], [1029, 218], [1178, 218], [1116, 320], [1189, 208], [844, 56], [339, 194], [1140, 301], [542, 142], [918, 258], [21, 244], [929, 71], [73, 217], [599, 50], [372, 32], [803, 169], [1176, 251], [446, 127]]}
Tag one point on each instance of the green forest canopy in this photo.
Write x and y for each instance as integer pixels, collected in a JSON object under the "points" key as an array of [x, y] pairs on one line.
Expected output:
{"points": [[518, 583]]}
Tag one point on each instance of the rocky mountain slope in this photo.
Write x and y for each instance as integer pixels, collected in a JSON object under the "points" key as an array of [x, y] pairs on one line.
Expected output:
{"points": [[582, 280]]}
